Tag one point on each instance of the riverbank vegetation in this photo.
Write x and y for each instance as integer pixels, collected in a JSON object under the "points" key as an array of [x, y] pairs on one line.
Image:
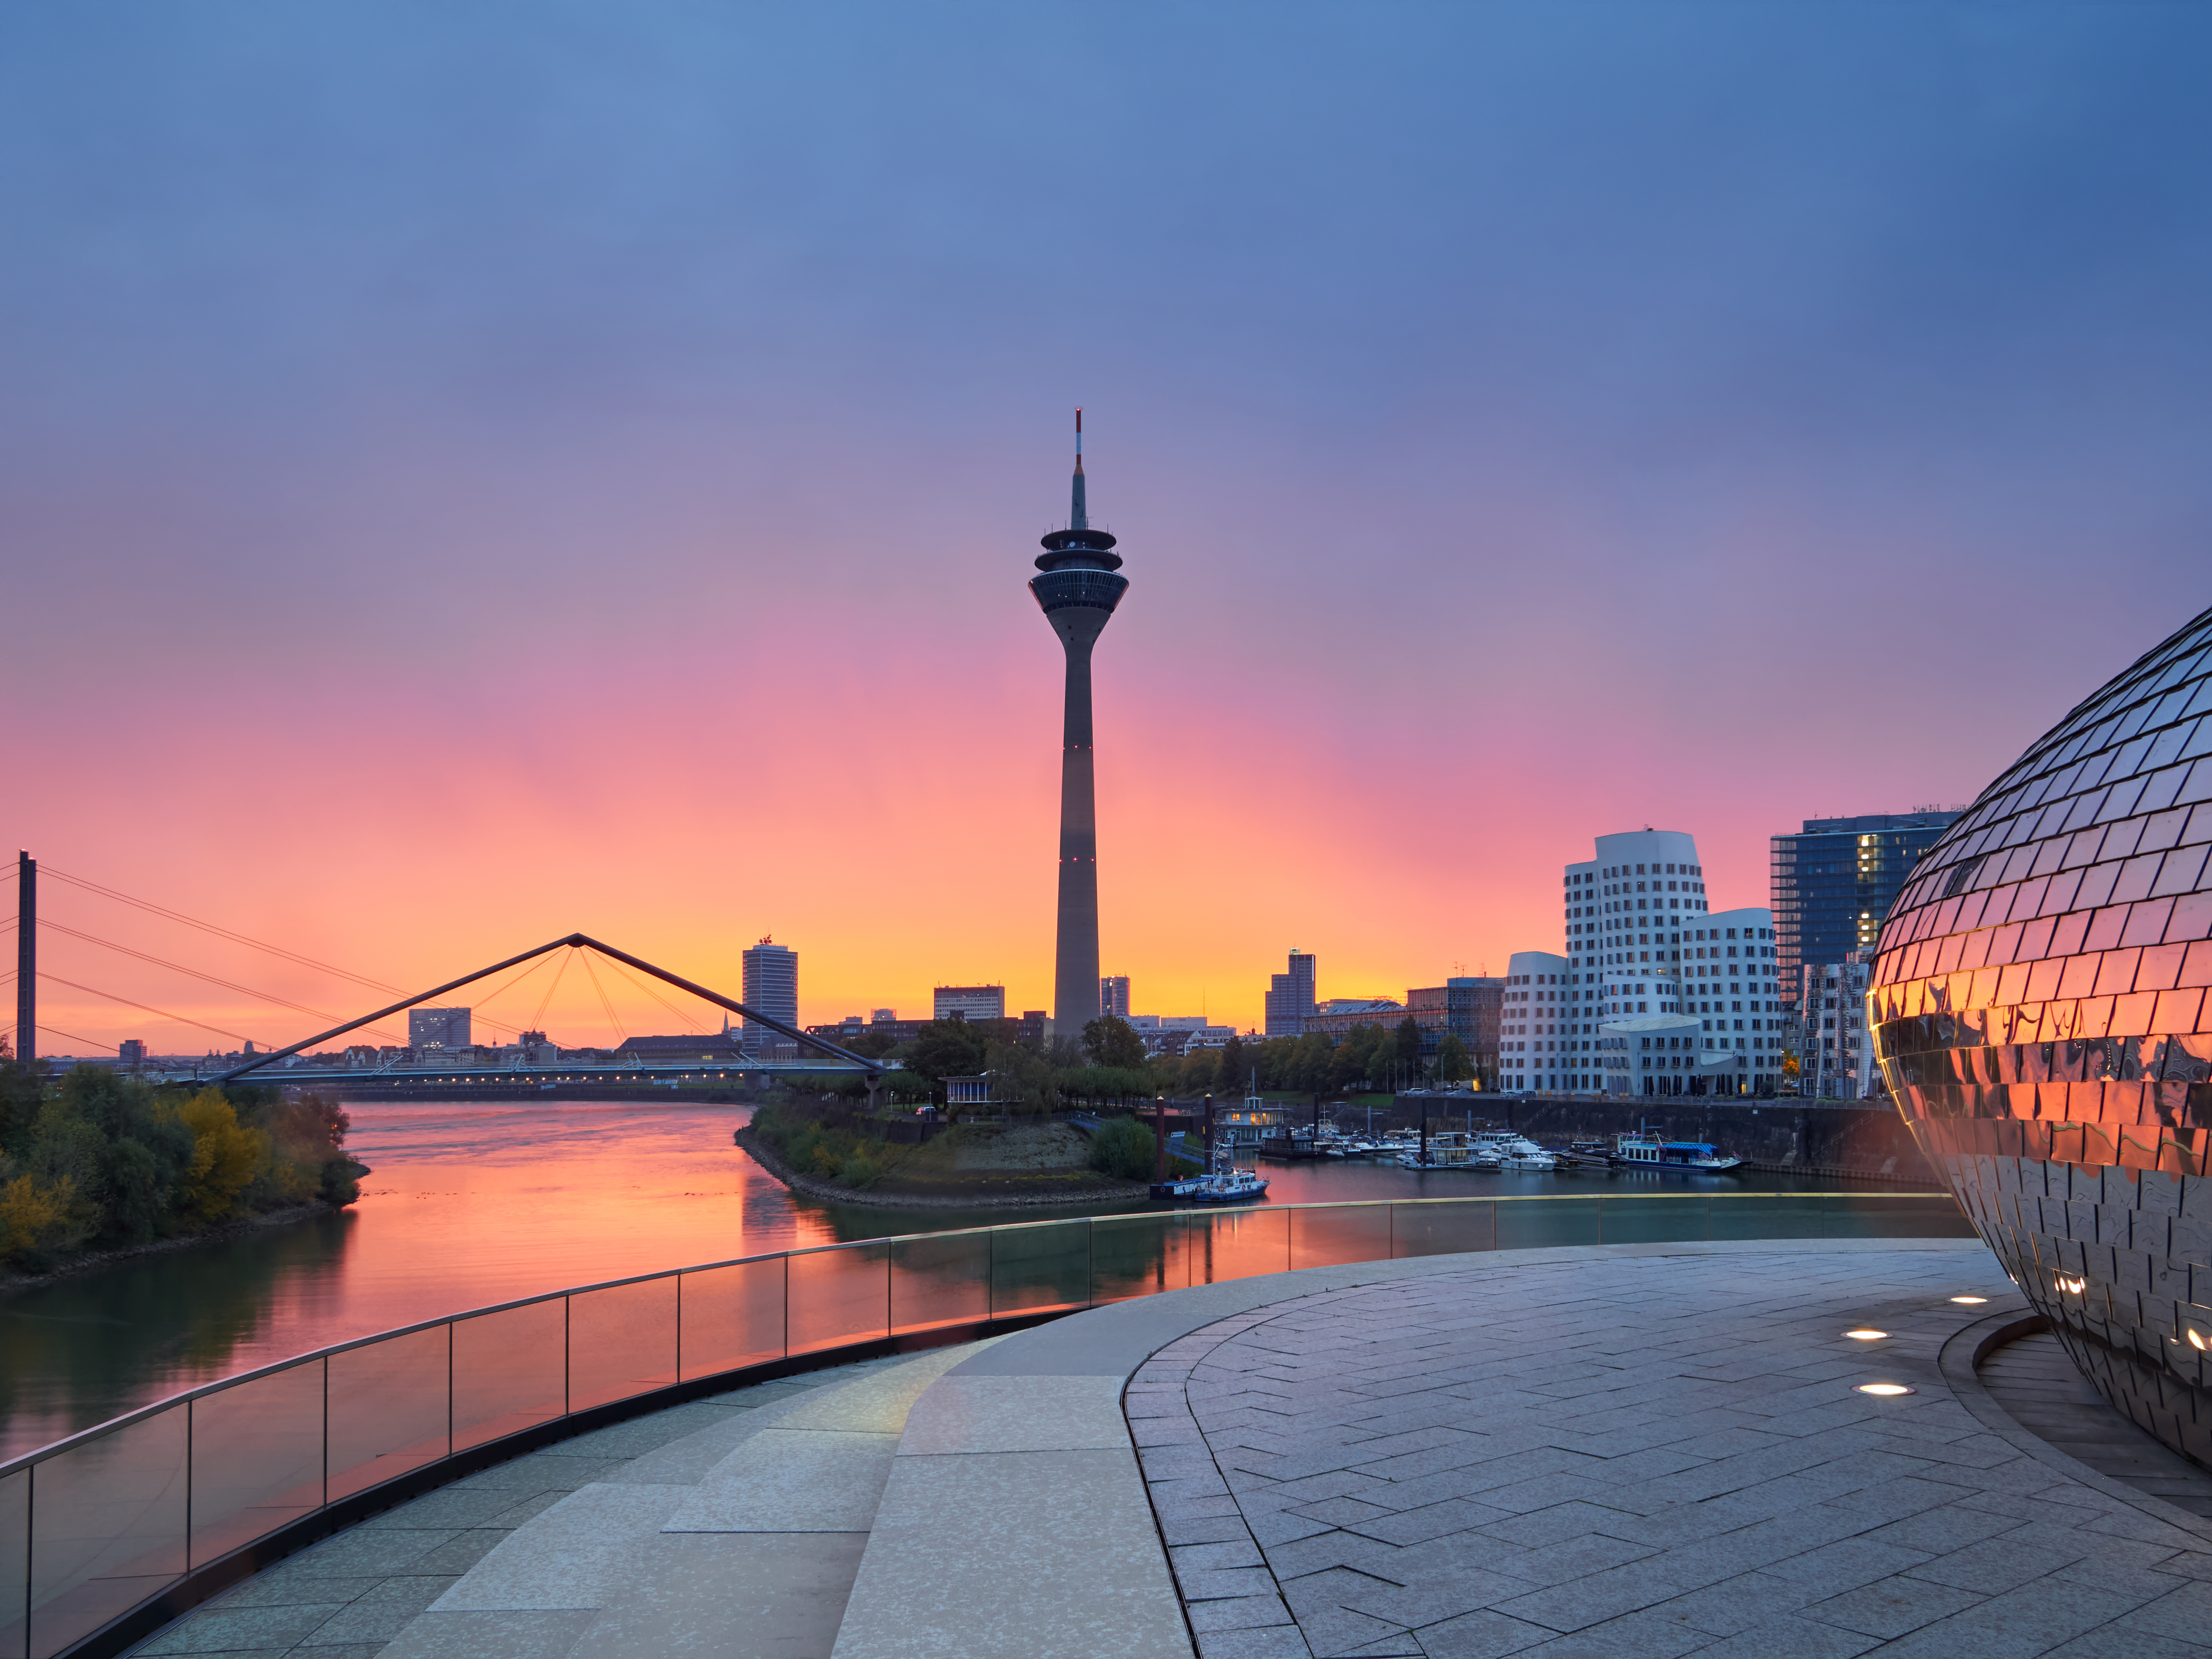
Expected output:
{"points": [[1110, 1067], [94, 1160], [1015, 1160]]}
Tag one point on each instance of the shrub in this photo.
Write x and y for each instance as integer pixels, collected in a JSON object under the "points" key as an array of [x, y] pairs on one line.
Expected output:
{"points": [[1126, 1149], [32, 1215]]}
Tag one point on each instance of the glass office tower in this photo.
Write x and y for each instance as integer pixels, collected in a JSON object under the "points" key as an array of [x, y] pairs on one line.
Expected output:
{"points": [[2039, 1010], [1834, 881]]}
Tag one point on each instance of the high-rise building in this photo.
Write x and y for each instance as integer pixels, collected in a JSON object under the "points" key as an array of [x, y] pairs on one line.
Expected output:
{"points": [[1834, 881], [1114, 996], [1641, 942], [968, 1002], [772, 987], [1474, 1010], [1291, 1000], [1077, 589], [1835, 1053], [436, 1029]]}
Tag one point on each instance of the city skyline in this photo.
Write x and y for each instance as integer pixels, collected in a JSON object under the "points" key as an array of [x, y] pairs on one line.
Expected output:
{"points": [[652, 417]]}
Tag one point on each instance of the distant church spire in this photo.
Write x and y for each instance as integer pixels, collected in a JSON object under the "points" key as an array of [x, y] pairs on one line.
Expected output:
{"points": [[1079, 516]]}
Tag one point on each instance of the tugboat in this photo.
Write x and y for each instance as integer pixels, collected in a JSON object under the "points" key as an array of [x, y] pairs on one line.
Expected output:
{"points": [[1224, 1183]]}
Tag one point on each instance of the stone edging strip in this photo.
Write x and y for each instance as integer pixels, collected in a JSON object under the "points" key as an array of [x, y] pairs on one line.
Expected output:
{"points": [[1959, 1361]]}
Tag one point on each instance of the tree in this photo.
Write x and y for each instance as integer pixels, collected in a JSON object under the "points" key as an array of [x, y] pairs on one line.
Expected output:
{"points": [[1409, 1044], [1110, 1040], [1201, 1070], [1026, 1082], [1231, 1068], [1351, 1060], [947, 1047], [1452, 1063], [21, 1090]]}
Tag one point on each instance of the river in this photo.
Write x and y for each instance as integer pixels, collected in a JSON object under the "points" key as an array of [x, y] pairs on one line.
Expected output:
{"points": [[473, 1203]]}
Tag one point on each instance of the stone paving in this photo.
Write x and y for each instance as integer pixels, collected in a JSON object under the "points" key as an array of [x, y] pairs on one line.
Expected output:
{"points": [[348, 1597], [1638, 1458]]}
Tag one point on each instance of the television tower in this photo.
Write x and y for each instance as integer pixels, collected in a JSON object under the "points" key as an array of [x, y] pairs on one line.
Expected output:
{"points": [[1077, 591]]}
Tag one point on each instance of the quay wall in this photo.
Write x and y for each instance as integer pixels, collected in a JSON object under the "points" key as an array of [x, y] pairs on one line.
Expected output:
{"points": [[1852, 1140]]}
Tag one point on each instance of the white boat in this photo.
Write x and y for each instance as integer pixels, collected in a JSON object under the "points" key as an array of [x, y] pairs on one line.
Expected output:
{"points": [[1515, 1151], [1449, 1149], [1641, 1149]]}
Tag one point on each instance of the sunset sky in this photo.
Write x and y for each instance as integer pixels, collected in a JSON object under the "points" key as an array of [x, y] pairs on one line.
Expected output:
{"points": [[470, 472]]}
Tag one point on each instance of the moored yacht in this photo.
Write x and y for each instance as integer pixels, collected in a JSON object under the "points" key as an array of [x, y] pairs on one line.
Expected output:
{"points": [[1641, 1149]]}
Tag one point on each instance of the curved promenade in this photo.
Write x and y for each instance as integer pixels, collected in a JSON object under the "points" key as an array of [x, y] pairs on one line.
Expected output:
{"points": [[1627, 1450], [1643, 1447]]}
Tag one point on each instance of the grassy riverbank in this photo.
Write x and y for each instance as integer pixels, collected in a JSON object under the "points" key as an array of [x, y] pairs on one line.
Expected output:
{"points": [[968, 1165]]}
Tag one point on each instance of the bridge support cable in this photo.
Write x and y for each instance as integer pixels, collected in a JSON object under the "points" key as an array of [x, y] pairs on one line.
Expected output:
{"points": [[92, 1043], [194, 972], [613, 1019], [637, 984], [144, 1008], [873, 1068], [220, 933], [538, 1019]]}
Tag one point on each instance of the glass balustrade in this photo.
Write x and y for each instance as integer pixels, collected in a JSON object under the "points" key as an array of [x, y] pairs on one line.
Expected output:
{"points": [[94, 1526]]}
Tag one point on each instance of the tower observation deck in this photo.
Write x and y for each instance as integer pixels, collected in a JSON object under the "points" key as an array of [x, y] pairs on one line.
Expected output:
{"points": [[1078, 589]]}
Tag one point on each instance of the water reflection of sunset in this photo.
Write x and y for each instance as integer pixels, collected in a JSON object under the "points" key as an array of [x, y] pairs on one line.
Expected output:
{"points": [[467, 1206]]}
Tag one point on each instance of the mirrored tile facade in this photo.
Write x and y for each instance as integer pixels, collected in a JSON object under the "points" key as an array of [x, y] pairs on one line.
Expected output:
{"points": [[2040, 1011]]}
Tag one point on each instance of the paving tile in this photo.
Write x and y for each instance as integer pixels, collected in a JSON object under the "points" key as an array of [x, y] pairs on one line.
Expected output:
{"points": [[459, 1552], [506, 1635], [727, 1593], [1789, 1636], [1273, 1642], [451, 1508], [2116, 1641], [570, 1558], [1071, 1527], [1485, 1635], [1238, 1613], [360, 1552], [383, 1612], [789, 1479], [1892, 1606], [1730, 1605], [1834, 1568], [2184, 1613], [2031, 1619], [1998, 1564], [240, 1629]]}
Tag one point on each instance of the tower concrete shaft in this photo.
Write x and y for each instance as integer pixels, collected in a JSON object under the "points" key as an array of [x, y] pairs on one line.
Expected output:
{"points": [[1077, 591]]}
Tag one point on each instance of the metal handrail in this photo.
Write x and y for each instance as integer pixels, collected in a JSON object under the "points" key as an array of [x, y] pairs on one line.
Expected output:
{"points": [[1181, 1236]]}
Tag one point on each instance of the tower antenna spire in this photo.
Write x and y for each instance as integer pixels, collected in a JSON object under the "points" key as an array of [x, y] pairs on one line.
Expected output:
{"points": [[1078, 517]]}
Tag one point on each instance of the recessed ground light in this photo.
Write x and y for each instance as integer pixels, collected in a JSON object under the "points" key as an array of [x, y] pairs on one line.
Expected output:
{"points": [[1866, 1335], [1970, 1301], [1885, 1389]]}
